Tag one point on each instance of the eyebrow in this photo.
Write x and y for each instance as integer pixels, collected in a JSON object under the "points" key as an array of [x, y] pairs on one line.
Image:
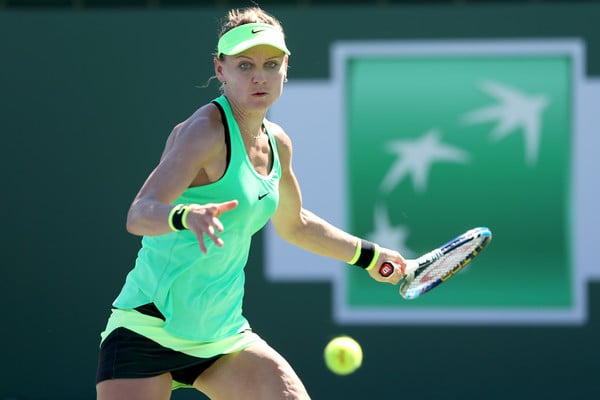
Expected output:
{"points": [[239, 57]]}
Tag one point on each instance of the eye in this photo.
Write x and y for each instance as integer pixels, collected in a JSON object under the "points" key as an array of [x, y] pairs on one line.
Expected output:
{"points": [[244, 66], [271, 64]]}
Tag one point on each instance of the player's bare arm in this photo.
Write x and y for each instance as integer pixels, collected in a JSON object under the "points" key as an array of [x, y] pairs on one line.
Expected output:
{"points": [[304, 229], [194, 155]]}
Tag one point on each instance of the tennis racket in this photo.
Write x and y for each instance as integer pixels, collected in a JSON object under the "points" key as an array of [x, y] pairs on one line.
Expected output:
{"points": [[439, 265]]}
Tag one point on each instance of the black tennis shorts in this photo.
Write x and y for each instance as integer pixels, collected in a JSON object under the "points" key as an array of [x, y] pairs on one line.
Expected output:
{"points": [[126, 354]]}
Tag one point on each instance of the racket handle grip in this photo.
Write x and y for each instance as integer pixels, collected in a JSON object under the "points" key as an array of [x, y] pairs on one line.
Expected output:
{"points": [[387, 268]]}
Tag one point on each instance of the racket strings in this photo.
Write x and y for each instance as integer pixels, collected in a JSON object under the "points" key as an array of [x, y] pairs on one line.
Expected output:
{"points": [[441, 264], [446, 264]]}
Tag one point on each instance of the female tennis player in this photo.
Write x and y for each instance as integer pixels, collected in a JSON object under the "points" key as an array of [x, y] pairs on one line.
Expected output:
{"points": [[224, 172]]}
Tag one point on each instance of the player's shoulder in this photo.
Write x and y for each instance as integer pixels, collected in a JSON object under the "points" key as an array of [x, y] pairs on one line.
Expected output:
{"points": [[204, 125], [284, 142]]}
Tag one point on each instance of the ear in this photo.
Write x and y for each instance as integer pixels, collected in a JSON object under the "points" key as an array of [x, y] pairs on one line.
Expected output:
{"points": [[219, 69], [286, 62], [285, 67]]}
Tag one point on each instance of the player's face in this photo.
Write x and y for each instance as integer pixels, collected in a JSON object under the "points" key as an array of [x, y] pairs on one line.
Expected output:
{"points": [[254, 78]]}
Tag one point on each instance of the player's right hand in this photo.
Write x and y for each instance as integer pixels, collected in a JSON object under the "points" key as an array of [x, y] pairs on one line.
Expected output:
{"points": [[398, 262]]}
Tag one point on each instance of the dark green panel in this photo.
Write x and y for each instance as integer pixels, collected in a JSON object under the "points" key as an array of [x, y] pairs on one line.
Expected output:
{"points": [[87, 99]]}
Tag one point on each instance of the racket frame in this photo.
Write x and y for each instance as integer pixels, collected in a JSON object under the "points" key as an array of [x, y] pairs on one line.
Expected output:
{"points": [[416, 267]]}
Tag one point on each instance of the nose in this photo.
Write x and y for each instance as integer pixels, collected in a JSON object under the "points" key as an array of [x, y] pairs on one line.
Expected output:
{"points": [[259, 77]]}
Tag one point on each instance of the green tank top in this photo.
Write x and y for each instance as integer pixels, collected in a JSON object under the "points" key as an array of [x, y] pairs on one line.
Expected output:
{"points": [[199, 294]]}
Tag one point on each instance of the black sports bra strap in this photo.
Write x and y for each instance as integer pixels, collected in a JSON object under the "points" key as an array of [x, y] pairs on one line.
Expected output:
{"points": [[226, 126]]}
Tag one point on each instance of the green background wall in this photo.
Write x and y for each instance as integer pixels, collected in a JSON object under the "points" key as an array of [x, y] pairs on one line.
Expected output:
{"points": [[87, 99]]}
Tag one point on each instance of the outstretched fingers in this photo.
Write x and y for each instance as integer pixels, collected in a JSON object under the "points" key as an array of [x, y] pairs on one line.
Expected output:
{"points": [[204, 221]]}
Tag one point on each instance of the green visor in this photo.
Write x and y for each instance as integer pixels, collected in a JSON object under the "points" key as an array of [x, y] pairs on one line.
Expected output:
{"points": [[245, 36]]}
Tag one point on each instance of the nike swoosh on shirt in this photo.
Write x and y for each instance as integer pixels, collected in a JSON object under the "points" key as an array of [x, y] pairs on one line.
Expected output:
{"points": [[262, 196]]}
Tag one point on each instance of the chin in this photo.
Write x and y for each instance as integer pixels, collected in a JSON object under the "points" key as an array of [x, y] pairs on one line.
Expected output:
{"points": [[262, 102]]}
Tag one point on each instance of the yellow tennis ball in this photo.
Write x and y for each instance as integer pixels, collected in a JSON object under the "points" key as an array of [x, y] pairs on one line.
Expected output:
{"points": [[343, 355]]}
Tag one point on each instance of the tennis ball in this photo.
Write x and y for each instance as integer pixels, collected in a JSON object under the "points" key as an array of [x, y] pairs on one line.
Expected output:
{"points": [[343, 355]]}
